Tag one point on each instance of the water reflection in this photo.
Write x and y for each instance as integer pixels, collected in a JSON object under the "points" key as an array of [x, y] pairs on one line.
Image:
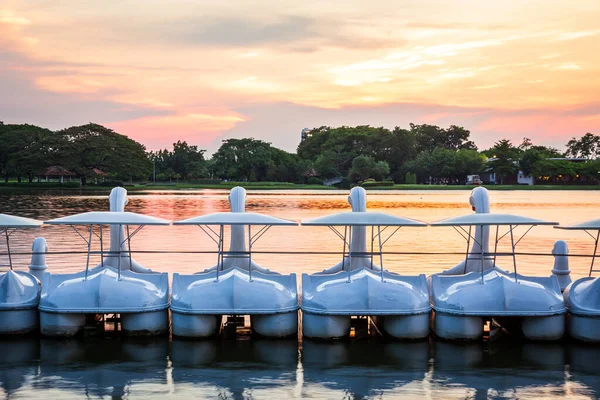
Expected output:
{"points": [[256, 368], [563, 206], [365, 369], [235, 369]]}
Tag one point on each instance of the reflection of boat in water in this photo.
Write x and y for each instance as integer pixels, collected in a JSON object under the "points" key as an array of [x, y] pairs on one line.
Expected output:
{"points": [[356, 286], [103, 367], [19, 290], [117, 286], [365, 368], [236, 285], [19, 363], [266, 368], [477, 290], [498, 369], [584, 373], [582, 297]]}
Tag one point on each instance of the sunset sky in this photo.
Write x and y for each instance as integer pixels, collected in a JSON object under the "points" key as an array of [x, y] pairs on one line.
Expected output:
{"points": [[203, 71]]}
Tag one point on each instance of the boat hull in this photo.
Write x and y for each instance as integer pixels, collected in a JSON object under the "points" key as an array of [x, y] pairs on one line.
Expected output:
{"points": [[195, 325], [584, 328], [325, 326], [19, 298], [133, 324], [529, 306], [18, 322], [141, 300], [582, 298], [329, 301], [200, 300]]}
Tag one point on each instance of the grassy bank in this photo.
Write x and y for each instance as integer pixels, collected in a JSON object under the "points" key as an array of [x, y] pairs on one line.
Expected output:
{"points": [[17, 187]]}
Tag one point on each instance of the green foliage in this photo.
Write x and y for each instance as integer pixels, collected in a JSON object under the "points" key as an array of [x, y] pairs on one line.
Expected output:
{"points": [[364, 167], [314, 181], [369, 184], [588, 146], [249, 159], [92, 146], [410, 178], [504, 157], [184, 161]]}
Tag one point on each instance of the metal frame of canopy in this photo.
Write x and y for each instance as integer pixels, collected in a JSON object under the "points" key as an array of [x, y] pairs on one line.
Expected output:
{"points": [[110, 218], [489, 219], [366, 219], [9, 224], [593, 225], [221, 219]]}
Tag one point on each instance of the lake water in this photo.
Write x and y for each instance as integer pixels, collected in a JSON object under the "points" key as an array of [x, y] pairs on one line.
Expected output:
{"points": [[280, 369], [241, 369], [560, 206]]}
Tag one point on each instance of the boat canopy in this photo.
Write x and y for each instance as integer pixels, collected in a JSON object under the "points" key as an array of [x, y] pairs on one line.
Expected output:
{"points": [[235, 218], [588, 225], [362, 218], [12, 221], [491, 219], [108, 218]]}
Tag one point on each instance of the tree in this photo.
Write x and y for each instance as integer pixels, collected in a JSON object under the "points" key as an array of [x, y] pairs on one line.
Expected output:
{"points": [[586, 147], [249, 159], [529, 160], [428, 137], [503, 159], [26, 150], [526, 144], [364, 167], [93, 146]]}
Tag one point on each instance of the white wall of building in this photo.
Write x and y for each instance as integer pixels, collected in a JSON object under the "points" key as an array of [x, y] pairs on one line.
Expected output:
{"points": [[523, 179]]}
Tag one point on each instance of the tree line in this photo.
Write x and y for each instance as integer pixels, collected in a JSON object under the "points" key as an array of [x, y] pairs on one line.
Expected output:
{"points": [[420, 154]]}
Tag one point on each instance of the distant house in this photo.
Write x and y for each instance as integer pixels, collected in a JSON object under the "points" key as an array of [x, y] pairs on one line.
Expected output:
{"points": [[56, 173], [522, 179]]}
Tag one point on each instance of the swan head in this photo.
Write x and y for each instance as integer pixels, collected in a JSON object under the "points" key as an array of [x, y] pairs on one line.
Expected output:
{"points": [[358, 199], [118, 199], [237, 199], [39, 245], [560, 247], [479, 200]]}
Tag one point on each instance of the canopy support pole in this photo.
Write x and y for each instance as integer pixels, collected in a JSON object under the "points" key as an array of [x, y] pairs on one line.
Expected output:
{"points": [[119, 254], [380, 252], [129, 249], [514, 256], [250, 252], [87, 263], [349, 256], [496, 244], [344, 247], [481, 248], [219, 252], [101, 248], [8, 249], [594, 255], [373, 243], [467, 253]]}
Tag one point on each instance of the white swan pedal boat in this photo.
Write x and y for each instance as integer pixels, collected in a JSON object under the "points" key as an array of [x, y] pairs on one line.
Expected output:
{"points": [[236, 285], [113, 287], [463, 300], [582, 297], [19, 290], [357, 286]]}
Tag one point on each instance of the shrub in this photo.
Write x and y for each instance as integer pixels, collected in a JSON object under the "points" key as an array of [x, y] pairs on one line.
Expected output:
{"points": [[377, 183]]}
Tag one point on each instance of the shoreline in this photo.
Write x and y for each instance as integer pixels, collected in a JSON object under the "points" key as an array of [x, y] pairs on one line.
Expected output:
{"points": [[27, 187]]}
